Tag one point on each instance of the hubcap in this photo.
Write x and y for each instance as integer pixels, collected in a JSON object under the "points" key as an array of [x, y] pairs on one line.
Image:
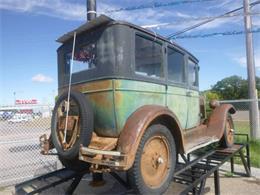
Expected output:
{"points": [[155, 161]]}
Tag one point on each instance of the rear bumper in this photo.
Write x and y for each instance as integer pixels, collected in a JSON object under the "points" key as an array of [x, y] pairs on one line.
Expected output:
{"points": [[113, 159], [100, 154]]}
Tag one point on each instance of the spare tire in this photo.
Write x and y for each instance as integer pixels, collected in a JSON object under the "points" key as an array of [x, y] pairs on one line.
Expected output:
{"points": [[82, 110]]}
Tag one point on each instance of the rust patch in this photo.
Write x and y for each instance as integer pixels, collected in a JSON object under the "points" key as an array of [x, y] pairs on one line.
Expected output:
{"points": [[217, 120], [213, 130], [90, 86], [45, 144], [100, 95], [102, 143]]}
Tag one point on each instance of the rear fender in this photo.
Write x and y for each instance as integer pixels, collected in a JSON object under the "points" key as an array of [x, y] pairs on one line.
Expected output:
{"points": [[139, 121]]}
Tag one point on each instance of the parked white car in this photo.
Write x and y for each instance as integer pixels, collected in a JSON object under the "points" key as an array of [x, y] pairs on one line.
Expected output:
{"points": [[18, 118]]}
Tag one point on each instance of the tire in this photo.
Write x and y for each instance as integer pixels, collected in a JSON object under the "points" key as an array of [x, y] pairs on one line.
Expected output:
{"points": [[86, 127], [227, 140], [148, 175], [75, 164]]}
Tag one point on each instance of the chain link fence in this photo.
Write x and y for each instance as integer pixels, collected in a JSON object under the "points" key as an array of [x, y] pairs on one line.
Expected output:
{"points": [[241, 118], [20, 129]]}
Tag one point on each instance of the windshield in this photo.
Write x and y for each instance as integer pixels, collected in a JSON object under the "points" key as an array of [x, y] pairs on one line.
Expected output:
{"points": [[84, 58]]}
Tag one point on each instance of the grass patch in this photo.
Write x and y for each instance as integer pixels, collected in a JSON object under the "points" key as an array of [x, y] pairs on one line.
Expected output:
{"points": [[244, 127], [229, 174]]}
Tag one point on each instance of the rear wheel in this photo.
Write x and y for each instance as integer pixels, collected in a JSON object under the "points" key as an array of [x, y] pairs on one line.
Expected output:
{"points": [[154, 163], [227, 140], [67, 138]]}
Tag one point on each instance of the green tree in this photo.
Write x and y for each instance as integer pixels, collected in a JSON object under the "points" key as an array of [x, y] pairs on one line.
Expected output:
{"points": [[210, 95], [233, 87], [230, 88]]}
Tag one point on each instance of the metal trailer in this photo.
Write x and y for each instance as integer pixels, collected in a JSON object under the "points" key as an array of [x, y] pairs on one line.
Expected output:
{"points": [[192, 171]]}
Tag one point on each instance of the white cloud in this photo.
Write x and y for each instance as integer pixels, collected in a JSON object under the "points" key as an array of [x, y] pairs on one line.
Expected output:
{"points": [[70, 10], [56, 8], [41, 78], [242, 60]]}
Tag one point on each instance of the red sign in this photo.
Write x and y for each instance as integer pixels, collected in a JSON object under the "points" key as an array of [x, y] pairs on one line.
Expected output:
{"points": [[19, 102]]}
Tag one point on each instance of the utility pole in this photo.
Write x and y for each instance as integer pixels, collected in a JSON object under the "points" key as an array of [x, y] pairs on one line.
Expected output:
{"points": [[252, 92]]}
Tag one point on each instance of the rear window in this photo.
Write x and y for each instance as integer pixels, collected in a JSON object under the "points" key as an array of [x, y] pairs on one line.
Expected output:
{"points": [[84, 58], [148, 58]]}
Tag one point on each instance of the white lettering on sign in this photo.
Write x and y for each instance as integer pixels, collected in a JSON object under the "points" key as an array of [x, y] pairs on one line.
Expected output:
{"points": [[33, 101]]}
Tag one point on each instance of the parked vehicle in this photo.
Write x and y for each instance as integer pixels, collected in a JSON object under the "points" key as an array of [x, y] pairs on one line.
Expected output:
{"points": [[5, 115], [37, 115], [134, 105], [19, 118]]}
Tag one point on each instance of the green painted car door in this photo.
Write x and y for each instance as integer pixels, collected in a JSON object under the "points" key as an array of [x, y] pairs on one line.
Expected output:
{"points": [[176, 89], [192, 97], [177, 103]]}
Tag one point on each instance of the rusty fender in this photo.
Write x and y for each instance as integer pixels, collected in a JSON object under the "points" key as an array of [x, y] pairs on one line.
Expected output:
{"points": [[217, 120], [138, 122]]}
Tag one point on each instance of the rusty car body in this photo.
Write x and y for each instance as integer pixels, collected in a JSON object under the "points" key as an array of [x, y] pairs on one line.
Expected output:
{"points": [[134, 79]]}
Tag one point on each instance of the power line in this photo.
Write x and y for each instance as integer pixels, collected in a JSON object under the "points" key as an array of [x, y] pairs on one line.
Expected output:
{"points": [[157, 5], [178, 21], [227, 33], [209, 20]]}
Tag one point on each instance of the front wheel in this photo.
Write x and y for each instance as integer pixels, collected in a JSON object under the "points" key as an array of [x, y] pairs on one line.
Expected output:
{"points": [[227, 140], [155, 161]]}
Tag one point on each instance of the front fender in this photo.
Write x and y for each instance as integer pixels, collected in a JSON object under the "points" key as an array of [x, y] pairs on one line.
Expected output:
{"points": [[136, 125], [217, 119]]}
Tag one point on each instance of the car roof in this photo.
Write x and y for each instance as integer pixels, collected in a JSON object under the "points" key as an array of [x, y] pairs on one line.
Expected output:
{"points": [[103, 20]]}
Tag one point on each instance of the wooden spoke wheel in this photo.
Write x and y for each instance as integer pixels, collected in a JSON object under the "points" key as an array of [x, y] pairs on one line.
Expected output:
{"points": [[227, 140], [67, 133], [68, 129], [155, 161], [230, 131]]}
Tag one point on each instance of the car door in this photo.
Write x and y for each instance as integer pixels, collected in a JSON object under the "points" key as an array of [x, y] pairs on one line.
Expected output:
{"points": [[176, 85], [192, 97]]}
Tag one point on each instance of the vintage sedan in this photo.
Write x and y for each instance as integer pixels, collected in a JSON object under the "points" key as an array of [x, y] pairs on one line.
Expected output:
{"points": [[134, 104]]}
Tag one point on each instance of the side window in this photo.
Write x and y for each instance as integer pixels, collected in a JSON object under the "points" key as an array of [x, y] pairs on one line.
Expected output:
{"points": [[192, 73], [148, 58], [176, 64]]}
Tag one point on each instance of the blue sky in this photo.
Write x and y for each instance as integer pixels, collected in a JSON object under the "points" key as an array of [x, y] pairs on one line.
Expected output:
{"points": [[29, 28]]}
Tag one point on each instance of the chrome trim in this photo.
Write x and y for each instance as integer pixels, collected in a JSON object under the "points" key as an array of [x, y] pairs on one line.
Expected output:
{"points": [[86, 151]]}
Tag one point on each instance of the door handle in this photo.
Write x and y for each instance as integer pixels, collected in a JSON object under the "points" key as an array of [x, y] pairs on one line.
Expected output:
{"points": [[188, 93]]}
